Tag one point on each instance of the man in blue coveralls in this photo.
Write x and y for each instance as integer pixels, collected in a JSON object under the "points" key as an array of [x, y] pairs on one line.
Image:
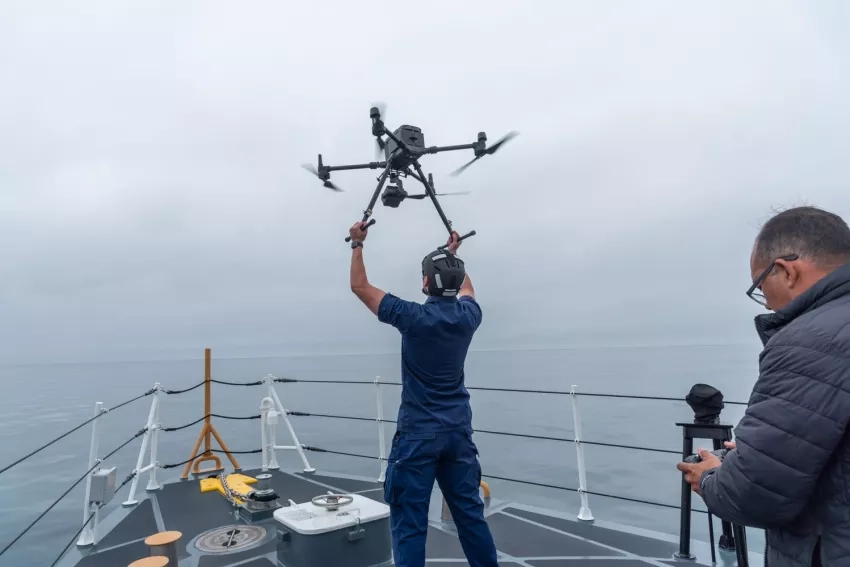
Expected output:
{"points": [[433, 440]]}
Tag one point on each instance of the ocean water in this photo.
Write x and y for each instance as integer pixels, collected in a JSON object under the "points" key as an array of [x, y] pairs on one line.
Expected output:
{"points": [[43, 401]]}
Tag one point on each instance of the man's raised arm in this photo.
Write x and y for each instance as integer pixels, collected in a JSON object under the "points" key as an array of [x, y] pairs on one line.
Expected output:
{"points": [[466, 288], [366, 292]]}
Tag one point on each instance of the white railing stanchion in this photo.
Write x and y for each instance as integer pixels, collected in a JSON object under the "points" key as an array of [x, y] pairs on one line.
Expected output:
{"points": [[265, 405], [271, 420], [139, 470], [296, 445], [87, 536], [152, 482], [584, 513], [382, 450]]}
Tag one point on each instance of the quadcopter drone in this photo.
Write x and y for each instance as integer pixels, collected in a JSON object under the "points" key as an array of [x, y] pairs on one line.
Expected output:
{"points": [[402, 150]]}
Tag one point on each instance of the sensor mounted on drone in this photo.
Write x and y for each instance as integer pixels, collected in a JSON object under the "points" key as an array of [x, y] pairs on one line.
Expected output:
{"points": [[402, 150]]}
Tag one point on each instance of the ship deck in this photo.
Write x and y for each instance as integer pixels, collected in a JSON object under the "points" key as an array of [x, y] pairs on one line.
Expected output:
{"points": [[524, 535]]}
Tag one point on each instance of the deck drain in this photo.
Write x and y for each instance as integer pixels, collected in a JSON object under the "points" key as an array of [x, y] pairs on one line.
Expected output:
{"points": [[230, 538]]}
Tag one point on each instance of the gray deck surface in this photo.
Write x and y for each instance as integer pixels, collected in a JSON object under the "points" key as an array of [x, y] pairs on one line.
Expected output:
{"points": [[523, 538]]}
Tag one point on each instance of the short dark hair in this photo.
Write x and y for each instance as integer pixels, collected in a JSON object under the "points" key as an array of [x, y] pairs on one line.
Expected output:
{"points": [[812, 233]]}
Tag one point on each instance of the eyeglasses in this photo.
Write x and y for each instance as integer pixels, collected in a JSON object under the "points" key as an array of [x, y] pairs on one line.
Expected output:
{"points": [[754, 292]]}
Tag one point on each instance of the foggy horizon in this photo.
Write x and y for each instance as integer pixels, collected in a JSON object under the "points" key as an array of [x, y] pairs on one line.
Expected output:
{"points": [[153, 198]]}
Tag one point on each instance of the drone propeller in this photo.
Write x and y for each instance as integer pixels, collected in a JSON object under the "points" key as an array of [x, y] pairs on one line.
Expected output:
{"points": [[438, 194], [327, 182], [380, 143], [491, 150]]}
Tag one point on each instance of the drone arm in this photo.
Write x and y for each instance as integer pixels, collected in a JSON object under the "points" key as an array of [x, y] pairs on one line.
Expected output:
{"points": [[436, 149], [394, 138], [368, 212], [370, 165]]}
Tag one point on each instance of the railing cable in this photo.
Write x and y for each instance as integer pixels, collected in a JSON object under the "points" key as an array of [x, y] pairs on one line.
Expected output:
{"points": [[216, 415], [508, 390], [220, 451], [70, 488], [130, 477], [86, 422], [75, 536], [226, 383], [528, 482], [184, 390], [504, 433], [351, 417]]}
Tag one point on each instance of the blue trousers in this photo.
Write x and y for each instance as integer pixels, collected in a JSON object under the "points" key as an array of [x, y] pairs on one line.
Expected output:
{"points": [[415, 461]]}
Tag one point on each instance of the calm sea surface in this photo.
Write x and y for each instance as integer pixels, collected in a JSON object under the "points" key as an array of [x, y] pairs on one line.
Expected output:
{"points": [[42, 401]]}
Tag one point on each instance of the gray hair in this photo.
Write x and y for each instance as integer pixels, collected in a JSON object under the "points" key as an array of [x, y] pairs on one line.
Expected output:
{"points": [[811, 233]]}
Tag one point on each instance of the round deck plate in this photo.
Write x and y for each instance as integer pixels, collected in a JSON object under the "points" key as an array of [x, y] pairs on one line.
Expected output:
{"points": [[230, 538]]}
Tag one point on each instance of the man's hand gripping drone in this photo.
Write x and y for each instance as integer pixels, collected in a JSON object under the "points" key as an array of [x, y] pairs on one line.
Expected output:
{"points": [[402, 150]]}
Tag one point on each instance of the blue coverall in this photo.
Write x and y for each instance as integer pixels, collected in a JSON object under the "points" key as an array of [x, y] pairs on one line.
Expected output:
{"points": [[433, 440]]}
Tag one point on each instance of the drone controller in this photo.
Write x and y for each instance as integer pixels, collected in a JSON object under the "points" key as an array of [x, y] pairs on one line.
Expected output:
{"points": [[401, 152], [720, 454]]}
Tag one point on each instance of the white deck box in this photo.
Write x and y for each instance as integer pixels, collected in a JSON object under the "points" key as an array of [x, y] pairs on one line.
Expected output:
{"points": [[354, 535]]}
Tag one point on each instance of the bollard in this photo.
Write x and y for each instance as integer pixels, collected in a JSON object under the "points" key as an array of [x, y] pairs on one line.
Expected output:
{"points": [[164, 544], [158, 561]]}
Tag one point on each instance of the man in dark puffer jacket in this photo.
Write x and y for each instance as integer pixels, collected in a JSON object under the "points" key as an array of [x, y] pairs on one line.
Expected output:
{"points": [[789, 470]]}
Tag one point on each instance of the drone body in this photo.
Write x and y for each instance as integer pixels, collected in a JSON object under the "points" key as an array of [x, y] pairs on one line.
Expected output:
{"points": [[413, 140], [401, 151]]}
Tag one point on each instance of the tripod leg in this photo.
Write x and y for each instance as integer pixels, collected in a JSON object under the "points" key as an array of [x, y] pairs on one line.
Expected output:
{"points": [[741, 547], [711, 538], [368, 212]]}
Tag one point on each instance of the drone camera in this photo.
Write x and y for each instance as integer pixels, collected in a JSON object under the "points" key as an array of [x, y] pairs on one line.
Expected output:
{"points": [[393, 195]]}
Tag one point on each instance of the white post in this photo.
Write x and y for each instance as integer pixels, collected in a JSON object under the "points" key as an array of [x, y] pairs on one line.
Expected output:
{"points": [[152, 482], [131, 498], [583, 513], [272, 425], [87, 536], [96, 521], [381, 441], [265, 405], [285, 416]]}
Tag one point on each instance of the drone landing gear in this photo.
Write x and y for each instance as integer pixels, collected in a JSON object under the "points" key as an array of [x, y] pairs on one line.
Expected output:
{"points": [[368, 212], [429, 190]]}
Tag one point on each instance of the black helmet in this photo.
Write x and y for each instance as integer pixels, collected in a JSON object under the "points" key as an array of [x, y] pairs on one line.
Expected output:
{"points": [[445, 273]]}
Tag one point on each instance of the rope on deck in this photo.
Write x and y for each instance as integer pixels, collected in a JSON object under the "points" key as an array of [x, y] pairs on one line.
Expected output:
{"points": [[73, 429]]}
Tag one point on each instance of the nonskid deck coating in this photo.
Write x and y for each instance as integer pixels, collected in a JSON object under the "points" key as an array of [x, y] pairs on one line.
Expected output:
{"points": [[523, 538]]}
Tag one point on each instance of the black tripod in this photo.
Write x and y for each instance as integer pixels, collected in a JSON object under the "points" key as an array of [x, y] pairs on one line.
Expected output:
{"points": [[734, 537]]}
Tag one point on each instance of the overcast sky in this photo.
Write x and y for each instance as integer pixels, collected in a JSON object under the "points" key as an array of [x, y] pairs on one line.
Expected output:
{"points": [[152, 199]]}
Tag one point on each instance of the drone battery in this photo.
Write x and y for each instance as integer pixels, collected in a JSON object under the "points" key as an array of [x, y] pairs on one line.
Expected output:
{"points": [[354, 535], [410, 135]]}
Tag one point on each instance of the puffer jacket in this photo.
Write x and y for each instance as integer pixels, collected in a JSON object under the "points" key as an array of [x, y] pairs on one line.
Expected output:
{"points": [[790, 472]]}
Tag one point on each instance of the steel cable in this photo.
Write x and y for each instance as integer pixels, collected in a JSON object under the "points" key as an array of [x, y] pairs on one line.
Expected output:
{"points": [[70, 488], [86, 422]]}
